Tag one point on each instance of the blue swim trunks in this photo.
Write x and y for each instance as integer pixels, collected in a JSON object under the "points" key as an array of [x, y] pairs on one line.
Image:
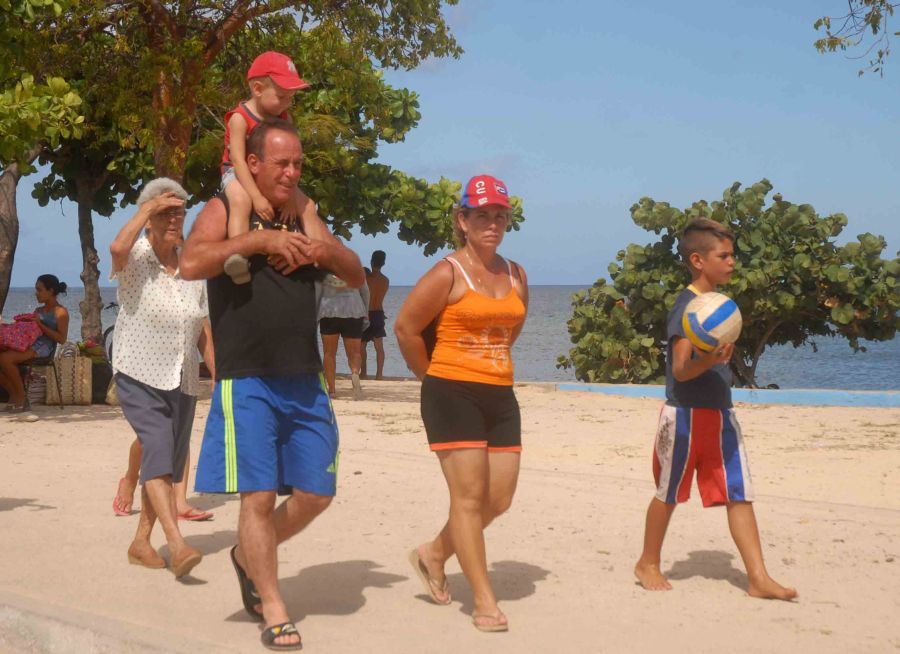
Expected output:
{"points": [[269, 433]]}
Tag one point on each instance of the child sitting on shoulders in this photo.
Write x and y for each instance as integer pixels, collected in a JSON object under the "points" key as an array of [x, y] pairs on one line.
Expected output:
{"points": [[273, 81], [698, 429]]}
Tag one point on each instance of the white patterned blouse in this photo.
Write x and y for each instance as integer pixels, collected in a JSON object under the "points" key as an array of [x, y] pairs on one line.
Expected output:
{"points": [[159, 324]]}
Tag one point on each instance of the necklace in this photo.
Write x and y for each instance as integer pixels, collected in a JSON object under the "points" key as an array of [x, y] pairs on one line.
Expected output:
{"points": [[472, 267], [475, 274]]}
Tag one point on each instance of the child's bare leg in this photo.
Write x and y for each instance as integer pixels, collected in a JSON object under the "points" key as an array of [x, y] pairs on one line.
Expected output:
{"points": [[742, 523], [239, 208], [647, 569], [294, 211]]}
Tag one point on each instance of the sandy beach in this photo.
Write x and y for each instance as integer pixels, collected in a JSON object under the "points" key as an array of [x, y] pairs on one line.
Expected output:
{"points": [[561, 560]]}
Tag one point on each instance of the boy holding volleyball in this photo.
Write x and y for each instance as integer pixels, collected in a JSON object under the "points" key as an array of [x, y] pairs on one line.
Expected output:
{"points": [[697, 426]]}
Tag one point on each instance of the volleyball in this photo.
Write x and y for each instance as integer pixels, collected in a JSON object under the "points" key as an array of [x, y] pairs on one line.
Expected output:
{"points": [[711, 319]]}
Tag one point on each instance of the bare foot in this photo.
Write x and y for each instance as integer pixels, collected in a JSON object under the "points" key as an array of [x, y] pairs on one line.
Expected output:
{"points": [[275, 615], [651, 577], [142, 553], [124, 500], [767, 588], [437, 580]]}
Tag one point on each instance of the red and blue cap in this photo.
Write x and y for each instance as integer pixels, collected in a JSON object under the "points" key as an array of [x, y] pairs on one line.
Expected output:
{"points": [[482, 190], [279, 68]]}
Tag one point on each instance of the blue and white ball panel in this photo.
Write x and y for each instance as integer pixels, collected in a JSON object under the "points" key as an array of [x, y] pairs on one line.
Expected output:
{"points": [[711, 319]]}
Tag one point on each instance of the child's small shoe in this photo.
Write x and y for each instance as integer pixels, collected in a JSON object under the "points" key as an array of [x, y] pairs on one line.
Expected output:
{"points": [[238, 268]]}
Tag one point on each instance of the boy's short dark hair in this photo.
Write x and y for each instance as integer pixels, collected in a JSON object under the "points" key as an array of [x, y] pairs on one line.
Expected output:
{"points": [[378, 258], [257, 138], [701, 235], [264, 79]]}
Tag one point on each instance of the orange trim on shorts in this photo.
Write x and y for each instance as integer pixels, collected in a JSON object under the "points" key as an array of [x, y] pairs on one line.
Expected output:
{"points": [[457, 445], [511, 448]]}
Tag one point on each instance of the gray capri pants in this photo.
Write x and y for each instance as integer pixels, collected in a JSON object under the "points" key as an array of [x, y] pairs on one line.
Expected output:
{"points": [[162, 421]]}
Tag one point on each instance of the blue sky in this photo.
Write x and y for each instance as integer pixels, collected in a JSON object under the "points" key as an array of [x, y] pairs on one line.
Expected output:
{"points": [[585, 107]]}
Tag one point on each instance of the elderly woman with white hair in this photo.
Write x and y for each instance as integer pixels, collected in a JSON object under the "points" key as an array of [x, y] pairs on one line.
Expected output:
{"points": [[162, 320]]}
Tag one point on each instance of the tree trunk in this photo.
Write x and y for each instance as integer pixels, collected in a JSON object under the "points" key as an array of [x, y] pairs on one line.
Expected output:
{"points": [[9, 227], [92, 304], [9, 222], [743, 373], [174, 104]]}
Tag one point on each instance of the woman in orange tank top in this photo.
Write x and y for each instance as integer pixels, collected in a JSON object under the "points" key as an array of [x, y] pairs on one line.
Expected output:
{"points": [[469, 409]]}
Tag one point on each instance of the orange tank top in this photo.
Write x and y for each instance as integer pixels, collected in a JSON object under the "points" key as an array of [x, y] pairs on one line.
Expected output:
{"points": [[474, 334]]}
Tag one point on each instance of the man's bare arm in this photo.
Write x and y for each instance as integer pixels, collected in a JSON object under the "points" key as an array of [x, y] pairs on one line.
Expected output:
{"points": [[328, 252], [207, 247]]}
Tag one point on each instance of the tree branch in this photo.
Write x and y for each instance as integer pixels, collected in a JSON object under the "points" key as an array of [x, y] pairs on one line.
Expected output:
{"points": [[240, 15], [739, 368], [761, 345], [159, 13], [12, 169], [216, 117]]}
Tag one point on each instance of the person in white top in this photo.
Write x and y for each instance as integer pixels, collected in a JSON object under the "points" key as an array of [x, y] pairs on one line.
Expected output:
{"points": [[162, 320], [343, 313]]}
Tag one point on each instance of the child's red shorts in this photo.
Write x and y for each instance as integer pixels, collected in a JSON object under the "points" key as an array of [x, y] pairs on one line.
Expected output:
{"points": [[708, 441]]}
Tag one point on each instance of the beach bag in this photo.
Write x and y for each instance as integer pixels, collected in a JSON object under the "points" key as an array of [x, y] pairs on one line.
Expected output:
{"points": [[74, 373], [19, 335], [37, 387]]}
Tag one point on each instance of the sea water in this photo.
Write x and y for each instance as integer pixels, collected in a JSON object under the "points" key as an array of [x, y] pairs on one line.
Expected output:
{"points": [[545, 337]]}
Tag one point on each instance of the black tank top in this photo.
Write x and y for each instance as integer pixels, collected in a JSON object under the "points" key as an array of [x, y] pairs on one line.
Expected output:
{"points": [[266, 327]]}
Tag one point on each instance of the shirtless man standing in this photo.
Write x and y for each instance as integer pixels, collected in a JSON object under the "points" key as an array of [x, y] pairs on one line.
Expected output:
{"points": [[378, 288]]}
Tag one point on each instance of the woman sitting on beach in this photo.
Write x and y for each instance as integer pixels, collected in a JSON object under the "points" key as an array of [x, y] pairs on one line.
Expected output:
{"points": [[53, 320], [469, 409], [162, 320]]}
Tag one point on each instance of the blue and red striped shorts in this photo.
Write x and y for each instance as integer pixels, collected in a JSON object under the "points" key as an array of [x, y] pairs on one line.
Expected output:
{"points": [[708, 441]]}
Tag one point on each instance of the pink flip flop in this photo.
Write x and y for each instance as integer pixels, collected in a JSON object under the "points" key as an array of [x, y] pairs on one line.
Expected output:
{"points": [[121, 510], [195, 515]]}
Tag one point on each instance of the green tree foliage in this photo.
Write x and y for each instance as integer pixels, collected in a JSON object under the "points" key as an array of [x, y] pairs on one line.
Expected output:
{"points": [[32, 113], [348, 111], [159, 76], [865, 25], [170, 48], [28, 10], [106, 167], [37, 112], [793, 282], [34, 108]]}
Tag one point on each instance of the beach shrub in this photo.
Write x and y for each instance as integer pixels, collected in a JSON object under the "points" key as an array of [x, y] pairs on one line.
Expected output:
{"points": [[793, 283]]}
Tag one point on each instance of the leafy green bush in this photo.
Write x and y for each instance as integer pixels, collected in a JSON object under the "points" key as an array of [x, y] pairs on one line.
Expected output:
{"points": [[792, 282]]}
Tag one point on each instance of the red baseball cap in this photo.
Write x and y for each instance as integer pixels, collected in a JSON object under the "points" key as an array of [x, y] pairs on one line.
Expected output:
{"points": [[484, 189], [279, 68]]}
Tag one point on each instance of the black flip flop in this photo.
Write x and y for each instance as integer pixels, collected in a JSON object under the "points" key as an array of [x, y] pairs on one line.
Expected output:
{"points": [[285, 629], [249, 596]]}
